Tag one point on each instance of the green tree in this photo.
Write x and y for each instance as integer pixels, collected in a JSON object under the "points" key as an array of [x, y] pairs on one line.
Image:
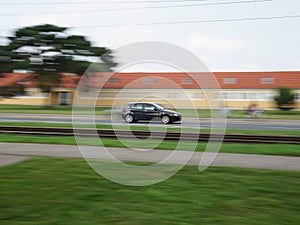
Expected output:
{"points": [[49, 50], [11, 91], [285, 99]]}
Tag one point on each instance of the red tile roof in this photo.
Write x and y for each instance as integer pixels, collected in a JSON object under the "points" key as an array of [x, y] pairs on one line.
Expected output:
{"points": [[244, 80], [69, 81], [26, 79], [253, 79]]}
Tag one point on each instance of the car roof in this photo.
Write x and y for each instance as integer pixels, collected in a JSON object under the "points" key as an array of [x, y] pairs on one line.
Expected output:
{"points": [[142, 102]]}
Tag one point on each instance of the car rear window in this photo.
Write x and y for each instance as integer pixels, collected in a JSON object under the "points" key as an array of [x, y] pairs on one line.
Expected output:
{"points": [[128, 106]]}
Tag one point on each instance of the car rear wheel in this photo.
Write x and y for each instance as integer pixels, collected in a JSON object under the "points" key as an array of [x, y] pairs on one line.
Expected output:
{"points": [[129, 118], [165, 119]]}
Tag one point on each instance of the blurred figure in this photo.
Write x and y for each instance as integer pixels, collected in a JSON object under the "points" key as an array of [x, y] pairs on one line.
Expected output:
{"points": [[250, 110], [253, 111]]}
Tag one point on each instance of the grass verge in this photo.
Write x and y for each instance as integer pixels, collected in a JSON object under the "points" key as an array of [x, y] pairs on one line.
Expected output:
{"points": [[134, 127], [32, 109], [66, 191], [266, 149]]}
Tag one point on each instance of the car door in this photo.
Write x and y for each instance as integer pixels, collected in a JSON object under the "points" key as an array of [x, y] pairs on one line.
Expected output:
{"points": [[138, 111], [150, 111]]}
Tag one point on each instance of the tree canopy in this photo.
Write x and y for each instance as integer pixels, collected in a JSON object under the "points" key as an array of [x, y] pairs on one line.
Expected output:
{"points": [[49, 50], [285, 99], [12, 90]]}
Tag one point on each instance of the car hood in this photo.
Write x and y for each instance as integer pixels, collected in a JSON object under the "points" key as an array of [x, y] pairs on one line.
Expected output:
{"points": [[171, 111]]}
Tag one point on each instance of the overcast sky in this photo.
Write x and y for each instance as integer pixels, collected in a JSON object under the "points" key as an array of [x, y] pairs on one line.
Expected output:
{"points": [[255, 45]]}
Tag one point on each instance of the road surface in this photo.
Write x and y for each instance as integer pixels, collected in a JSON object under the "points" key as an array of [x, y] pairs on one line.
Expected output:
{"points": [[11, 159], [234, 124], [123, 154]]}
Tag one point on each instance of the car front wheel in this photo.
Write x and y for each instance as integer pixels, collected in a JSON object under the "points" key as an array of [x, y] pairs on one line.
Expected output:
{"points": [[165, 119], [129, 118]]}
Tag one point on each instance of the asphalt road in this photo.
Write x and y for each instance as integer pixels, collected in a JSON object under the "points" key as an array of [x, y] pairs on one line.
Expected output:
{"points": [[20, 150], [235, 124]]}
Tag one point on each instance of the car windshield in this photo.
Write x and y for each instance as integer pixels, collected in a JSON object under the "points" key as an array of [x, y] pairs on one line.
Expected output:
{"points": [[158, 106]]}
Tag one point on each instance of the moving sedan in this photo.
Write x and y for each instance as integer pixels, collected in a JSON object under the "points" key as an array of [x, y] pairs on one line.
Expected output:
{"points": [[148, 111]]}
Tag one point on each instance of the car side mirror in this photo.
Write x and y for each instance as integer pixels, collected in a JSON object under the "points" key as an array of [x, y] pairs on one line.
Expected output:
{"points": [[155, 109]]}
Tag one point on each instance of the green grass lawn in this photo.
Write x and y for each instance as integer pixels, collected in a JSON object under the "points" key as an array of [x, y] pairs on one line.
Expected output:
{"points": [[267, 149], [203, 113], [31, 109], [67, 191], [269, 114]]}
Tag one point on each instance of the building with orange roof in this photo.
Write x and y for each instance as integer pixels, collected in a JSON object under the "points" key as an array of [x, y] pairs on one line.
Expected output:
{"points": [[238, 89]]}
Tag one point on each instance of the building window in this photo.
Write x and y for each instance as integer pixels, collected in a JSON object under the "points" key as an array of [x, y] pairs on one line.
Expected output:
{"points": [[252, 96], [242, 96], [113, 81], [197, 95], [218, 95], [149, 80], [187, 80], [232, 96], [267, 80], [129, 95], [297, 96], [24, 81], [69, 74], [229, 80], [171, 95], [262, 96], [107, 94], [245, 96]]}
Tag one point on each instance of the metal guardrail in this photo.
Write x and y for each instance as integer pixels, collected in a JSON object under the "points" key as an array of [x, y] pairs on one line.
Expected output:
{"points": [[175, 136]]}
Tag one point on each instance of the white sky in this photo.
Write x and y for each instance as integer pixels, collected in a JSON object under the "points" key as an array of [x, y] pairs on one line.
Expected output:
{"points": [[223, 46]]}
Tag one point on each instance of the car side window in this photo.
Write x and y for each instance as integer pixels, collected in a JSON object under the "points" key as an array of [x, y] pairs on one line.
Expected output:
{"points": [[137, 106], [149, 107]]}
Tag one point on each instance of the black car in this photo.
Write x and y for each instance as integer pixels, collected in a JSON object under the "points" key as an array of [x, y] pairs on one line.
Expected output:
{"points": [[148, 111]]}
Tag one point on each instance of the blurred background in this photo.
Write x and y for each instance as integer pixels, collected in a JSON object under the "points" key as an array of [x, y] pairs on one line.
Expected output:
{"points": [[251, 48]]}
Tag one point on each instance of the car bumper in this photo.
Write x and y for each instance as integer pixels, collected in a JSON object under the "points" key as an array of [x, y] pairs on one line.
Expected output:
{"points": [[175, 118]]}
